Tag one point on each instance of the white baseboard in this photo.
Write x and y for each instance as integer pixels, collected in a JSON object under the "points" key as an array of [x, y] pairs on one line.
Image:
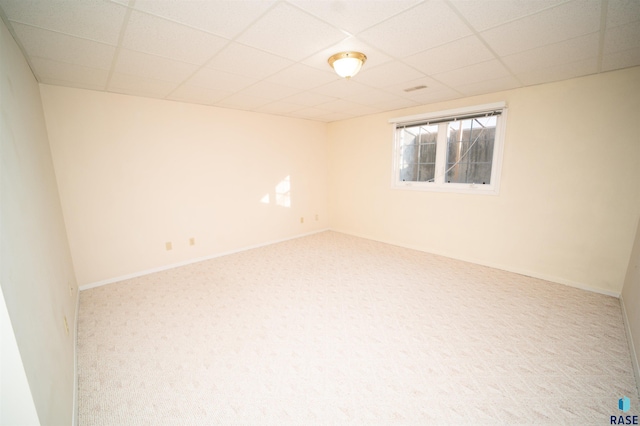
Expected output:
{"points": [[190, 261], [395, 243], [632, 347], [494, 265]]}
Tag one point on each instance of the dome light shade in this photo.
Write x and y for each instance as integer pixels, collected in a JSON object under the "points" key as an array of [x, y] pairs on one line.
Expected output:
{"points": [[347, 64]]}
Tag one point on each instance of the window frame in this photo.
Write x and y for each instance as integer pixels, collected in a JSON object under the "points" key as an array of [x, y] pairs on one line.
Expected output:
{"points": [[492, 188]]}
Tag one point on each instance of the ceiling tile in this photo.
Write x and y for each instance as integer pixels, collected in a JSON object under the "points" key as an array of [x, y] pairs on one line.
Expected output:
{"points": [[397, 103], [47, 70], [149, 34], [474, 73], [436, 95], [624, 59], [64, 48], [341, 105], [388, 74], [420, 28], [199, 95], [559, 72], [214, 79], [623, 37], [183, 49], [223, 18], [279, 107], [289, 32], [483, 15], [140, 86], [333, 116], [434, 92], [244, 102], [243, 60], [91, 19], [560, 23], [309, 99], [269, 91], [489, 86], [156, 67], [342, 89], [457, 54], [400, 89], [303, 77], [621, 12], [311, 113], [559, 53], [374, 97], [354, 16]]}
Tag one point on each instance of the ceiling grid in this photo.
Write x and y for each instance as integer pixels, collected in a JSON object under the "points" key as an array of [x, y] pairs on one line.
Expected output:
{"points": [[271, 56]]}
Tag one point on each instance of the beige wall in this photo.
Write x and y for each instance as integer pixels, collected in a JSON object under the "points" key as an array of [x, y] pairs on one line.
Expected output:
{"points": [[631, 301], [570, 189], [35, 265], [135, 173]]}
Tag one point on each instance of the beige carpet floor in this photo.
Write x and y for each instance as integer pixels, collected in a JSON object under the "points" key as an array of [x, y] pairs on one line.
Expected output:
{"points": [[332, 329]]}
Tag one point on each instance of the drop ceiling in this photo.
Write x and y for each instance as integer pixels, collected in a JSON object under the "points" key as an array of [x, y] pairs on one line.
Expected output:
{"points": [[271, 56]]}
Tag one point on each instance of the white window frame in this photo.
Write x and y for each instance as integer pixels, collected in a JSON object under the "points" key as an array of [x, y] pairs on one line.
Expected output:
{"points": [[439, 185]]}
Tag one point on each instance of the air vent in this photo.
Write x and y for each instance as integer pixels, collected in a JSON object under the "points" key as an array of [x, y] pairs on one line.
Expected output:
{"points": [[412, 89]]}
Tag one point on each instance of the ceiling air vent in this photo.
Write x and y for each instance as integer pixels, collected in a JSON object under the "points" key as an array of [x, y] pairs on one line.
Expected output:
{"points": [[412, 89]]}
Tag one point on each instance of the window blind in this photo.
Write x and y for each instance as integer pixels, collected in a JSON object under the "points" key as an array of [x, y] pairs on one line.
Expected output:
{"points": [[437, 120]]}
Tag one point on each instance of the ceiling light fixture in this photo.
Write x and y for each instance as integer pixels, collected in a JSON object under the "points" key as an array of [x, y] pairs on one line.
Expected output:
{"points": [[347, 64]]}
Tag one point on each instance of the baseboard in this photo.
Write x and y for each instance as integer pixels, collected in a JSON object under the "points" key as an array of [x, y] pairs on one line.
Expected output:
{"points": [[190, 261], [395, 243], [74, 414], [493, 265], [632, 348]]}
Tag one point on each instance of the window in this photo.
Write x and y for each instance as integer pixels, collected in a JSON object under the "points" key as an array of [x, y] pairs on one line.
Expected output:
{"points": [[456, 150]]}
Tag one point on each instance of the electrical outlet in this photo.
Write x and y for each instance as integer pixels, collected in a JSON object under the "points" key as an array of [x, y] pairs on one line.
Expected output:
{"points": [[71, 289], [192, 241], [168, 245], [302, 220], [66, 325], [317, 218]]}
